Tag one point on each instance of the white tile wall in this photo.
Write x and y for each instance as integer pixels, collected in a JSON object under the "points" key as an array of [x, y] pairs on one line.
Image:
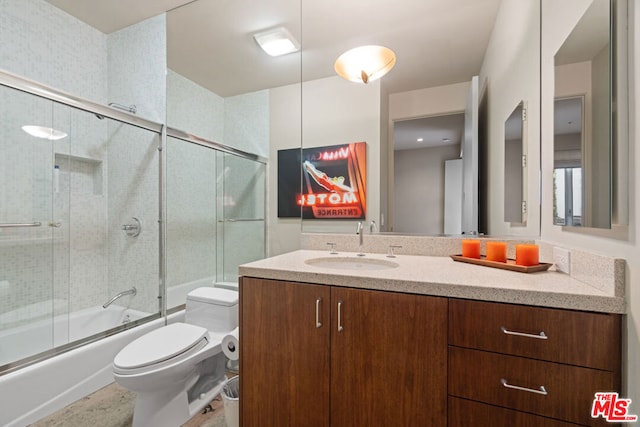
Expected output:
{"points": [[194, 109]]}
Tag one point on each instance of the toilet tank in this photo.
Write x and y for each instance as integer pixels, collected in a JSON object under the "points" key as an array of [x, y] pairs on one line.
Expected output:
{"points": [[212, 308]]}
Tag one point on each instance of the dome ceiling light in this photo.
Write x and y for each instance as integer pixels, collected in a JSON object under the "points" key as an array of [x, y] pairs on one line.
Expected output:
{"points": [[365, 64]]}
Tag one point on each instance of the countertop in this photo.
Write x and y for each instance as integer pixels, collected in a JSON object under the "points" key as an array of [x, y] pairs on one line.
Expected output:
{"points": [[441, 276]]}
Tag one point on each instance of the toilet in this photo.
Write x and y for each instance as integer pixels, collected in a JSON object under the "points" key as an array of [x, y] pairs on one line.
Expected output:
{"points": [[176, 370]]}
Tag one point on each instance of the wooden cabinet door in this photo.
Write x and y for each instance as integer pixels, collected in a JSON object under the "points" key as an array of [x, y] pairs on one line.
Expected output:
{"points": [[284, 354], [388, 359]]}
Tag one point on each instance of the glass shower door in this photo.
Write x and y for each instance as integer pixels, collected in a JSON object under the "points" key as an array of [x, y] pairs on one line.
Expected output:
{"points": [[241, 222], [191, 219], [27, 180]]}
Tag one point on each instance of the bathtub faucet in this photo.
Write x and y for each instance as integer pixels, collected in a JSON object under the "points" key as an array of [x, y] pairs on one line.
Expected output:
{"points": [[119, 295]]}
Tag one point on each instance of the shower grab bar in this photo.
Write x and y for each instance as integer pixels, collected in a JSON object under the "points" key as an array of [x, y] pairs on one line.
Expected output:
{"points": [[132, 291], [24, 224], [128, 108]]}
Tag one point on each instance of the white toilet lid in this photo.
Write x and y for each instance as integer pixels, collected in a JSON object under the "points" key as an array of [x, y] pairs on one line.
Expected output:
{"points": [[160, 345]]}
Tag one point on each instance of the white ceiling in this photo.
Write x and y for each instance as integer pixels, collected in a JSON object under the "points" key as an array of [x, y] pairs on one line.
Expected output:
{"points": [[437, 42]]}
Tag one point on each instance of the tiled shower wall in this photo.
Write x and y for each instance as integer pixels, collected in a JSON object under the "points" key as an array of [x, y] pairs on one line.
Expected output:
{"points": [[90, 258], [137, 76]]}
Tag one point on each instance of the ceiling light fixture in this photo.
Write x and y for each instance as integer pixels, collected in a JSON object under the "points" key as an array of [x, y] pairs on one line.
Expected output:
{"points": [[44, 132], [365, 64], [420, 139], [277, 41]]}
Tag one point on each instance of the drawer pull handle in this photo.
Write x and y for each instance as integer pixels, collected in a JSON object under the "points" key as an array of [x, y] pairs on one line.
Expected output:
{"points": [[340, 328], [318, 322], [540, 336], [541, 390]]}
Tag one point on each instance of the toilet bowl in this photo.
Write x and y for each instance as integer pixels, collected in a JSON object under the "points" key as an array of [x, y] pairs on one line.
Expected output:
{"points": [[176, 370]]}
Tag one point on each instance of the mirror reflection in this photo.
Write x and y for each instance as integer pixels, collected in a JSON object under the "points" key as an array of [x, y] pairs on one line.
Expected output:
{"points": [[515, 161], [582, 122], [428, 174]]}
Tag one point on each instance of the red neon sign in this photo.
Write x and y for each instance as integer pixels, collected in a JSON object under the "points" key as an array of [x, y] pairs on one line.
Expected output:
{"points": [[328, 199]]}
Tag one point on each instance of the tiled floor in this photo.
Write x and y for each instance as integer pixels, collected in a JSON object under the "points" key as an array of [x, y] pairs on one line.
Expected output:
{"points": [[112, 406]]}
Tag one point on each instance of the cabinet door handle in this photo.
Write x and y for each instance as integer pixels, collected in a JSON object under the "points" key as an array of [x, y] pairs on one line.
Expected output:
{"points": [[540, 336], [318, 322], [540, 390], [340, 328]]}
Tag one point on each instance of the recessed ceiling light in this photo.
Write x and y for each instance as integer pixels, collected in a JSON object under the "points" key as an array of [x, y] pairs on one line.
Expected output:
{"points": [[44, 132], [277, 41], [446, 139], [365, 64], [420, 139]]}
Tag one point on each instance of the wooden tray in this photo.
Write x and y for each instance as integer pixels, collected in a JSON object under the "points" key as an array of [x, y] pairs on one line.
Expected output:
{"points": [[509, 265]]}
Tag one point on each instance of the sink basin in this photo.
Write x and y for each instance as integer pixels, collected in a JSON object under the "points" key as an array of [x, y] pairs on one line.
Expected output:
{"points": [[342, 263]]}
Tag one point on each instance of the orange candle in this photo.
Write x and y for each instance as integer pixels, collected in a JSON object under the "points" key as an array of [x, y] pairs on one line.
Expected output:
{"points": [[527, 255], [497, 251], [471, 248]]}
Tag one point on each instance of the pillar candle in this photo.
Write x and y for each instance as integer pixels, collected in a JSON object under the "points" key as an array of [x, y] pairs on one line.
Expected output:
{"points": [[527, 255], [497, 251], [471, 248]]}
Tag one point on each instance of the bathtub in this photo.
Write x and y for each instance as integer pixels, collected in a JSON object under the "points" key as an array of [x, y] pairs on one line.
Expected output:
{"points": [[41, 335], [35, 391]]}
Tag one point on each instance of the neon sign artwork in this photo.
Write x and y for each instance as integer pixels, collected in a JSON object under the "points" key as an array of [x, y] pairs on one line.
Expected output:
{"points": [[333, 182]]}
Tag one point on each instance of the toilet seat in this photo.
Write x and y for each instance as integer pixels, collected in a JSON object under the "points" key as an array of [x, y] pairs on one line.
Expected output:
{"points": [[163, 346]]}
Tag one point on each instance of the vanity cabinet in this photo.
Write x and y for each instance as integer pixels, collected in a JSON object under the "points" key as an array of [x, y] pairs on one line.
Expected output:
{"points": [[529, 366], [316, 355]]}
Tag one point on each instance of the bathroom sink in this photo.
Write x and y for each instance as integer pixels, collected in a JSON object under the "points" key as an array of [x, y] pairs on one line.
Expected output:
{"points": [[343, 263]]}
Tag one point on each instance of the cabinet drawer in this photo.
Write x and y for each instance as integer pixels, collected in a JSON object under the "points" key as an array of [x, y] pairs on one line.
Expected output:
{"points": [[467, 413], [573, 337], [490, 378]]}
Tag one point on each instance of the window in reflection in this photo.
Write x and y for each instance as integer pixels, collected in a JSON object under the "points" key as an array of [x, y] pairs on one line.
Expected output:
{"points": [[567, 196]]}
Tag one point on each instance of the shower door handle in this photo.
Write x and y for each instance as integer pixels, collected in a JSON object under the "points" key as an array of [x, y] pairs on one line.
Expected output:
{"points": [[20, 224]]}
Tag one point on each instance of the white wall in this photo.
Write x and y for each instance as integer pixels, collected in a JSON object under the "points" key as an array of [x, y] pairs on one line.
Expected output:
{"points": [[621, 241], [509, 75], [285, 130], [336, 111], [419, 189]]}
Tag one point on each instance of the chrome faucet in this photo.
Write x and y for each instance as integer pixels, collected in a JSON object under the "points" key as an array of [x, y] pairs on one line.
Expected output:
{"points": [[119, 295], [372, 226], [360, 233]]}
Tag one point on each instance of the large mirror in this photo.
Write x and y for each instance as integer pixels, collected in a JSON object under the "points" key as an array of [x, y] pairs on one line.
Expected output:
{"points": [[582, 125], [496, 40], [305, 105]]}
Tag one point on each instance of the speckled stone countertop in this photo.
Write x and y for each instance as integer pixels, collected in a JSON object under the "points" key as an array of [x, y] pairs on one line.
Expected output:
{"points": [[440, 276]]}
